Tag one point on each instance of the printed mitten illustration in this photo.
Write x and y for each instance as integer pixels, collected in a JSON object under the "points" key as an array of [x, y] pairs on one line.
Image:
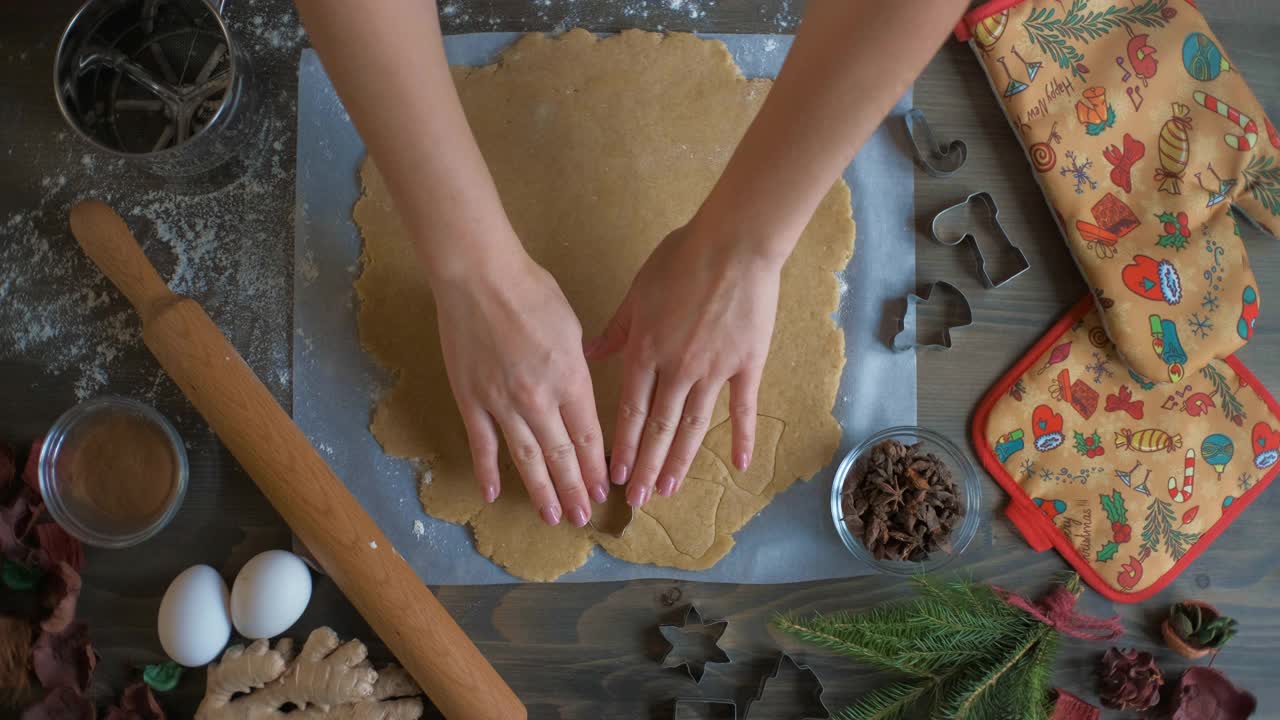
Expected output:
{"points": [[1128, 479], [1143, 136]]}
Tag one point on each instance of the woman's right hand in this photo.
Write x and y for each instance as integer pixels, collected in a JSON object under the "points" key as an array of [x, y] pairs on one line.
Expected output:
{"points": [[513, 350]]}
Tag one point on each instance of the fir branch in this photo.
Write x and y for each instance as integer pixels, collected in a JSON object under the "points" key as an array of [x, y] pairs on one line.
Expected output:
{"points": [[1262, 179], [887, 703], [1158, 525], [975, 696], [1178, 542], [1231, 405], [824, 633]]}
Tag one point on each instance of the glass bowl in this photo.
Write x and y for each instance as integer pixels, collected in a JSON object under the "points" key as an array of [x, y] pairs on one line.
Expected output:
{"points": [[70, 504], [967, 484]]}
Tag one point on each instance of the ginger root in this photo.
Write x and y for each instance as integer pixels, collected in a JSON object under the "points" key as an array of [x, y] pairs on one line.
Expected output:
{"points": [[327, 680]]}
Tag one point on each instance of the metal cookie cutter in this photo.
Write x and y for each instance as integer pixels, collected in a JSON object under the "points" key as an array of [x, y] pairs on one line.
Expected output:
{"points": [[937, 159], [907, 337], [992, 211], [692, 624], [811, 702], [704, 709]]}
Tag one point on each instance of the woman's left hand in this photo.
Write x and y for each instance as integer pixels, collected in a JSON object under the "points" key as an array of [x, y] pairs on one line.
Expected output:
{"points": [[699, 314]]}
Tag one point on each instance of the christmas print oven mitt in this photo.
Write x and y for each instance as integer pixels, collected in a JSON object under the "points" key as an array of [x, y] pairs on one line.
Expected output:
{"points": [[1128, 479], [1143, 136]]}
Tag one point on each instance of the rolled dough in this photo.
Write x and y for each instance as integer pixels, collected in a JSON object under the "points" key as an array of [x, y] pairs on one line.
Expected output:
{"points": [[600, 147]]}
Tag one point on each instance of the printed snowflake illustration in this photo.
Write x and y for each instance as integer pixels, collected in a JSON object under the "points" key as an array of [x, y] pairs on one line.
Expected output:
{"points": [[1046, 475], [1078, 172], [1200, 326], [1099, 368], [1028, 469], [1209, 302], [1067, 475], [1245, 482]]}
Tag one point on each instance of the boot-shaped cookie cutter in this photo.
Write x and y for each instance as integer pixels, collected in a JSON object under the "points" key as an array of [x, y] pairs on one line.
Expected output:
{"points": [[907, 337], [992, 213], [940, 161]]}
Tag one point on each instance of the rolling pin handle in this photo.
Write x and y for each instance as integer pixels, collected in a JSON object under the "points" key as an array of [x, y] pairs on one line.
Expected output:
{"points": [[106, 239]]}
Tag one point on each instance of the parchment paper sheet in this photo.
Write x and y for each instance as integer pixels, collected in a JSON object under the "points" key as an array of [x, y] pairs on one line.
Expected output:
{"points": [[336, 383]]}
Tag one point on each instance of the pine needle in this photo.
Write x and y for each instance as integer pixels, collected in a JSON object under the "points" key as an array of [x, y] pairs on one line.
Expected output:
{"points": [[887, 703]]}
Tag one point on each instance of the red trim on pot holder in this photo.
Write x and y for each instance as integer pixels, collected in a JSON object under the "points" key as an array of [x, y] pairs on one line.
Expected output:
{"points": [[964, 28], [1039, 531]]}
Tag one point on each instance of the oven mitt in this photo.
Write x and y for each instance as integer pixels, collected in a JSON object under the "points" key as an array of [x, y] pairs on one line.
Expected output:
{"points": [[1129, 480], [1143, 136]]}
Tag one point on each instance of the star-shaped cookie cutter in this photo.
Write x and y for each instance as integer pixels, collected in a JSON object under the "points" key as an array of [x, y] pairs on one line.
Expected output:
{"points": [[692, 619], [907, 337], [988, 204], [814, 681]]}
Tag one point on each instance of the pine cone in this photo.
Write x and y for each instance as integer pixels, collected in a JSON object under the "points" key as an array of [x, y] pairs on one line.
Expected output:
{"points": [[1130, 680]]}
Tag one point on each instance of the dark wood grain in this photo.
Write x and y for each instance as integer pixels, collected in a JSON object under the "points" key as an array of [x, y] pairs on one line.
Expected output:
{"points": [[589, 651]]}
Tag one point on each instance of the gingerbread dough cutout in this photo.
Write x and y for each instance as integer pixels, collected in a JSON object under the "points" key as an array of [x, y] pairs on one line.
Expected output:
{"points": [[600, 148]]}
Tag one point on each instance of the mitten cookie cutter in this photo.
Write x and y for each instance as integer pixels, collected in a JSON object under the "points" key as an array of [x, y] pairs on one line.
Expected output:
{"points": [[988, 203], [695, 667], [814, 681], [903, 343], [940, 161]]}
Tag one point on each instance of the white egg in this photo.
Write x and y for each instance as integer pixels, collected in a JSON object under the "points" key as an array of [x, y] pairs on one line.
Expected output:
{"points": [[270, 594], [195, 620]]}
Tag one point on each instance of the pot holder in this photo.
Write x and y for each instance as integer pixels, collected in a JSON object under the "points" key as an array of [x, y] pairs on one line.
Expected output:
{"points": [[1143, 136], [1129, 480]]}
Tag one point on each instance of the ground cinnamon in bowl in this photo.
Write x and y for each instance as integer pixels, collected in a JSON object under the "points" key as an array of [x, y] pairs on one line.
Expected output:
{"points": [[112, 472], [123, 467]]}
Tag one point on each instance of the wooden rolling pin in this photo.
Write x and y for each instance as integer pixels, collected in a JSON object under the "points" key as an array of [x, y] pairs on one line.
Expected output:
{"points": [[297, 482]]}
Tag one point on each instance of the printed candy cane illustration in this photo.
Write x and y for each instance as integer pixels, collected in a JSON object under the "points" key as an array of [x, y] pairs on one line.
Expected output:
{"points": [[1181, 492], [1235, 142]]}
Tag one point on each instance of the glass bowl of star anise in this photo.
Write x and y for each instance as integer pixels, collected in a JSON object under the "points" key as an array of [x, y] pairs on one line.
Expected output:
{"points": [[906, 501]]}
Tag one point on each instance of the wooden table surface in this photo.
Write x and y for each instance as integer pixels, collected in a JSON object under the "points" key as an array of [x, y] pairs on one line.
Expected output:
{"points": [[588, 651]]}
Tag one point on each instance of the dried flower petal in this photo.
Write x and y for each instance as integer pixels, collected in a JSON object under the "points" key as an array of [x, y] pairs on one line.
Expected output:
{"points": [[136, 703], [31, 471], [65, 659], [61, 592], [7, 467], [1206, 694], [58, 546], [63, 703], [17, 518]]}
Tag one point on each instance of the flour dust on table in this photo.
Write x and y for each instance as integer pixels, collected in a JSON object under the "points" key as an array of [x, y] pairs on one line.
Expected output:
{"points": [[635, 128]]}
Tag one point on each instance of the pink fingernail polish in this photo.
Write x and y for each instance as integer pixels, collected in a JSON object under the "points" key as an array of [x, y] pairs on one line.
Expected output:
{"points": [[618, 474], [638, 498], [551, 514], [578, 516], [667, 487], [599, 494], [490, 493], [743, 460]]}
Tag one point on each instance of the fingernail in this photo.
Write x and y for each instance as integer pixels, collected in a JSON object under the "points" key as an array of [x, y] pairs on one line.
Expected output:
{"points": [[618, 474], [578, 516], [599, 494], [668, 486], [551, 514], [639, 497], [490, 493], [743, 460]]}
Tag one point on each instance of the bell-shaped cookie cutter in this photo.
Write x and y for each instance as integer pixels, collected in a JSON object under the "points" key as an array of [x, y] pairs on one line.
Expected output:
{"points": [[938, 160], [993, 213], [907, 337]]}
